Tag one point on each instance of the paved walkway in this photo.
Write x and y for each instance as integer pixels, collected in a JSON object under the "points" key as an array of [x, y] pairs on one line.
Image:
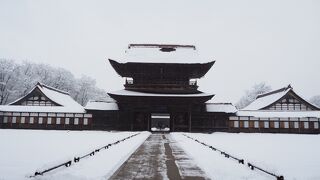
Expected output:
{"points": [[159, 157]]}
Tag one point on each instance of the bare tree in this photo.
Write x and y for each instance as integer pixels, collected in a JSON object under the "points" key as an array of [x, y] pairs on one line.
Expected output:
{"points": [[17, 80], [315, 100], [250, 95]]}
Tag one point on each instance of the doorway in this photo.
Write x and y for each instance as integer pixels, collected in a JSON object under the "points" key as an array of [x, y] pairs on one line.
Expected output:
{"points": [[160, 122]]}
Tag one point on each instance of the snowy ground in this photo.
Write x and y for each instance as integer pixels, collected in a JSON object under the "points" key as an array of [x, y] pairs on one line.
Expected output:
{"points": [[290, 155], [25, 151]]}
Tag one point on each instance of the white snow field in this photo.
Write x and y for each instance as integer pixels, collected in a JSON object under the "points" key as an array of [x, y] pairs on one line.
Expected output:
{"points": [[22, 152], [294, 156]]}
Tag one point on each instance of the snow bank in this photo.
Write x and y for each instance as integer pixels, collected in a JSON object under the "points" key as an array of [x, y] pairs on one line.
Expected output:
{"points": [[291, 155], [25, 151]]}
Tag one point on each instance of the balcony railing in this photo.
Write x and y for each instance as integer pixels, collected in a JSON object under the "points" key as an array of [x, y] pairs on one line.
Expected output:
{"points": [[191, 82]]}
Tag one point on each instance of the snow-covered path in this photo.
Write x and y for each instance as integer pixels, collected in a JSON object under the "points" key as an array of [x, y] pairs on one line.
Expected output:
{"points": [[295, 156], [159, 157], [25, 151]]}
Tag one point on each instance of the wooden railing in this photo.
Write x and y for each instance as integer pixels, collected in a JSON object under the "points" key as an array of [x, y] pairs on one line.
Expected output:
{"points": [[239, 160], [77, 159]]}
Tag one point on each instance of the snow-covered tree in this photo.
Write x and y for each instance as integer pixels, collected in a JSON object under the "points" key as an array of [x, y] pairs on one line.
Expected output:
{"points": [[17, 80], [86, 90], [250, 95], [315, 100], [8, 70]]}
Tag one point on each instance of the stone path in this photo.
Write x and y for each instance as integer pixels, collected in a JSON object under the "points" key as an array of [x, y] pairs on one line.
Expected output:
{"points": [[159, 157]]}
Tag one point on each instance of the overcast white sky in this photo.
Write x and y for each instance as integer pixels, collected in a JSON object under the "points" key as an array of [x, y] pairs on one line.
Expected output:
{"points": [[276, 41]]}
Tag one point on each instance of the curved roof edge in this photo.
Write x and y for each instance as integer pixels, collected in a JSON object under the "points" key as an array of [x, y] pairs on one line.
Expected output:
{"points": [[123, 69]]}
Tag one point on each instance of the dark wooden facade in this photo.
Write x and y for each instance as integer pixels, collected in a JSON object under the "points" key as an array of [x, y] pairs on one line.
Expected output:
{"points": [[33, 120], [167, 89]]}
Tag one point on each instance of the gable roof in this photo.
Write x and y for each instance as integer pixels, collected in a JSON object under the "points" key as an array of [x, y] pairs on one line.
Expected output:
{"points": [[267, 99], [63, 100]]}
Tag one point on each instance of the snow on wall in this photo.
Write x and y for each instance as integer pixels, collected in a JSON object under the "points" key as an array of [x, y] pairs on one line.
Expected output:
{"points": [[221, 107], [104, 106]]}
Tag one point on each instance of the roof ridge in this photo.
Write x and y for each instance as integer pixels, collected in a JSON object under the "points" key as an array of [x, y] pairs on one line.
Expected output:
{"points": [[52, 88], [146, 45], [274, 91]]}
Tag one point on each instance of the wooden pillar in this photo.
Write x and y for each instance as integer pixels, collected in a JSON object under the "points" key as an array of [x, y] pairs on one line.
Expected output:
{"points": [[171, 122], [149, 119], [131, 120], [189, 117]]}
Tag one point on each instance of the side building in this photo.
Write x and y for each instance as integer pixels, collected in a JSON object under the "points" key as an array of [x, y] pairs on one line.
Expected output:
{"points": [[279, 111], [45, 107]]}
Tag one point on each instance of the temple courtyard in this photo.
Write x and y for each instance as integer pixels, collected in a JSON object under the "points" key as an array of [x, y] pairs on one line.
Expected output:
{"points": [[142, 155]]}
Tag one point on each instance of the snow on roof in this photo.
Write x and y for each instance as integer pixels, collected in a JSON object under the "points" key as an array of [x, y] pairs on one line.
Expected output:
{"points": [[135, 93], [101, 105], [68, 104], [279, 114], [266, 99], [221, 107], [60, 97], [162, 53], [40, 109]]}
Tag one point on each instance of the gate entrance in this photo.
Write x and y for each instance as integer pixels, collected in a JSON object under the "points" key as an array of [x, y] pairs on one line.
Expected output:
{"points": [[160, 122]]}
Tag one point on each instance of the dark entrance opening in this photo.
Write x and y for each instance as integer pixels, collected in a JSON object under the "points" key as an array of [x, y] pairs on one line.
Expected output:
{"points": [[160, 122]]}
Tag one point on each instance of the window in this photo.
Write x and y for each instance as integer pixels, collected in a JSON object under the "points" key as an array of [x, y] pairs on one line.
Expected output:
{"points": [[67, 120], [276, 124], [316, 125], [49, 121], [85, 121], [40, 120], [246, 124], [76, 121], [31, 120], [58, 121], [23, 120], [236, 124], [14, 119], [256, 124], [296, 125], [306, 125], [266, 124], [286, 125], [244, 118], [233, 118], [5, 119]]}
